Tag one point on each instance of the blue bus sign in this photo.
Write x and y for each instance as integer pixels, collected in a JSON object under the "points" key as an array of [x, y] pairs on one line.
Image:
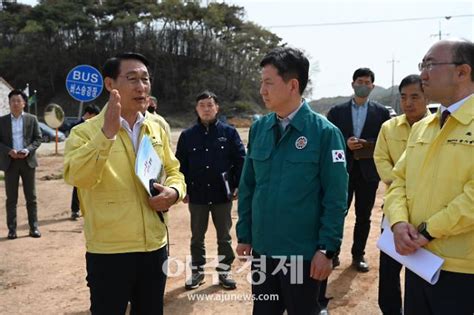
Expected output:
{"points": [[84, 83]]}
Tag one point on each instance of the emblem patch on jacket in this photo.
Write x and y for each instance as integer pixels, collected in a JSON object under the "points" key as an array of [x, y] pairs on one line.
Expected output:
{"points": [[222, 139], [301, 143], [338, 156]]}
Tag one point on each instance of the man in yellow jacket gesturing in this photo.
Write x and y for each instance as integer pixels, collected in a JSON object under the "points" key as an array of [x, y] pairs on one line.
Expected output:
{"points": [[125, 236], [431, 200]]}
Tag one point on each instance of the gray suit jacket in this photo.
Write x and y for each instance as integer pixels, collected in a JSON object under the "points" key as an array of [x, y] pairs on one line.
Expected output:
{"points": [[31, 139]]}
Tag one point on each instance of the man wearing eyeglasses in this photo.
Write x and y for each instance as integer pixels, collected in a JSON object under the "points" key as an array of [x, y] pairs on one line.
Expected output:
{"points": [[390, 146], [430, 203], [125, 236]]}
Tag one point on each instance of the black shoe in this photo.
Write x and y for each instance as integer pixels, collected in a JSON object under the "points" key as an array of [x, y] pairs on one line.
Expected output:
{"points": [[35, 233], [75, 215], [226, 281], [197, 278], [360, 264], [335, 262], [12, 235]]}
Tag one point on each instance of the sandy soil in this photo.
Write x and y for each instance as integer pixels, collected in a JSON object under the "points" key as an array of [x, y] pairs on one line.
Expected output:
{"points": [[47, 275]]}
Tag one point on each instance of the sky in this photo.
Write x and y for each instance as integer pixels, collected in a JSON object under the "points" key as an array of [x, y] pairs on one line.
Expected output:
{"points": [[336, 51]]}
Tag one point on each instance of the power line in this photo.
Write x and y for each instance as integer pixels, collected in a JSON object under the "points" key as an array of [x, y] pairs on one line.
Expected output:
{"points": [[371, 22]]}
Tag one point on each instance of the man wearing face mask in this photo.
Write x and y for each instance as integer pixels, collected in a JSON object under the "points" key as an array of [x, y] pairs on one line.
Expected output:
{"points": [[360, 120], [153, 109]]}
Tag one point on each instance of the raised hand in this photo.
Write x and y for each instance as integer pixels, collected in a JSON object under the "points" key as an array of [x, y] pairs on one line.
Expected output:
{"points": [[112, 115]]}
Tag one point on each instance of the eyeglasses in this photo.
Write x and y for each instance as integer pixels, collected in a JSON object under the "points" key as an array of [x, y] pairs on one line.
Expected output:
{"points": [[429, 65], [134, 80]]}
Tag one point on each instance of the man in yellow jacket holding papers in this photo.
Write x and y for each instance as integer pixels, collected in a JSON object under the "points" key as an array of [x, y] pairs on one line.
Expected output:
{"points": [[125, 238], [390, 145], [430, 203]]}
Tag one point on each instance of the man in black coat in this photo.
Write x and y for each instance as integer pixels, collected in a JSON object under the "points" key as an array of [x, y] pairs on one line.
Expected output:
{"points": [[360, 120], [211, 154], [20, 136]]}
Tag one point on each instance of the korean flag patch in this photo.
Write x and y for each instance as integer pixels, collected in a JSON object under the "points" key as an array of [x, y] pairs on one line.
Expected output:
{"points": [[338, 156]]}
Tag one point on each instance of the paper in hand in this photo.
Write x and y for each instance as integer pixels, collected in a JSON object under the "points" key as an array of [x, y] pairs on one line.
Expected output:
{"points": [[423, 263], [148, 164]]}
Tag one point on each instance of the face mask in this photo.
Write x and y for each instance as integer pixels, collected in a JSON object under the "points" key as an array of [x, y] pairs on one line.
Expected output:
{"points": [[362, 90]]}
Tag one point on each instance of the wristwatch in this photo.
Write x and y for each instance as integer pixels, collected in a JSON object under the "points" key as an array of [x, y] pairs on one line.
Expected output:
{"points": [[328, 253], [423, 231]]}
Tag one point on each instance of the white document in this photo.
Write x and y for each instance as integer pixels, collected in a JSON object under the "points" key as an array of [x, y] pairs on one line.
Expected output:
{"points": [[225, 178], [423, 262], [148, 164]]}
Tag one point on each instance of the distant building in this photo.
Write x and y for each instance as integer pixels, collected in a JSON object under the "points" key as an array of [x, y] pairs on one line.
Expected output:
{"points": [[5, 88]]}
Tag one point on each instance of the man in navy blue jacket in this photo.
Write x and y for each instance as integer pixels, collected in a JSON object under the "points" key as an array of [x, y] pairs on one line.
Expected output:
{"points": [[211, 154]]}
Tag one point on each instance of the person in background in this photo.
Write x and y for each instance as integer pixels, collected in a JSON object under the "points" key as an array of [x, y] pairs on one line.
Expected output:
{"points": [[391, 143], [153, 109], [20, 137], [360, 120], [211, 156]]}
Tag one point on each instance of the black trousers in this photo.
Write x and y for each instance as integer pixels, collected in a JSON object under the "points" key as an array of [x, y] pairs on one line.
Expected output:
{"points": [[364, 193], [116, 279], [221, 217], [452, 294], [268, 279], [390, 294], [17, 169], [74, 201]]}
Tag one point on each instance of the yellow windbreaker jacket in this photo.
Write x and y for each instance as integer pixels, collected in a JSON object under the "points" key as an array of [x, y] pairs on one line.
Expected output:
{"points": [[434, 183], [117, 217], [390, 145]]}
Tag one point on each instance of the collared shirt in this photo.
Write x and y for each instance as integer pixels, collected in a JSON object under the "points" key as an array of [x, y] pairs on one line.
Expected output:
{"points": [[454, 107], [134, 132], [284, 122], [17, 132], [359, 114]]}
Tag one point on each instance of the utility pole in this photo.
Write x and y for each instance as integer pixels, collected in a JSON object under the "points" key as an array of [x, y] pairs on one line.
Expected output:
{"points": [[393, 61], [440, 33], [393, 101]]}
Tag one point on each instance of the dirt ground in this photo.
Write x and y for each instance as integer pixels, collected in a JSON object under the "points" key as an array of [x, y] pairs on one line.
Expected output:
{"points": [[47, 275]]}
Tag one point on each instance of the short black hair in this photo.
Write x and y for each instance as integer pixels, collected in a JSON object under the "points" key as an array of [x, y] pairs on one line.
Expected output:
{"points": [[363, 72], [409, 80], [463, 52], [18, 92], [111, 67], [92, 109], [205, 95], [290, 63]]}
